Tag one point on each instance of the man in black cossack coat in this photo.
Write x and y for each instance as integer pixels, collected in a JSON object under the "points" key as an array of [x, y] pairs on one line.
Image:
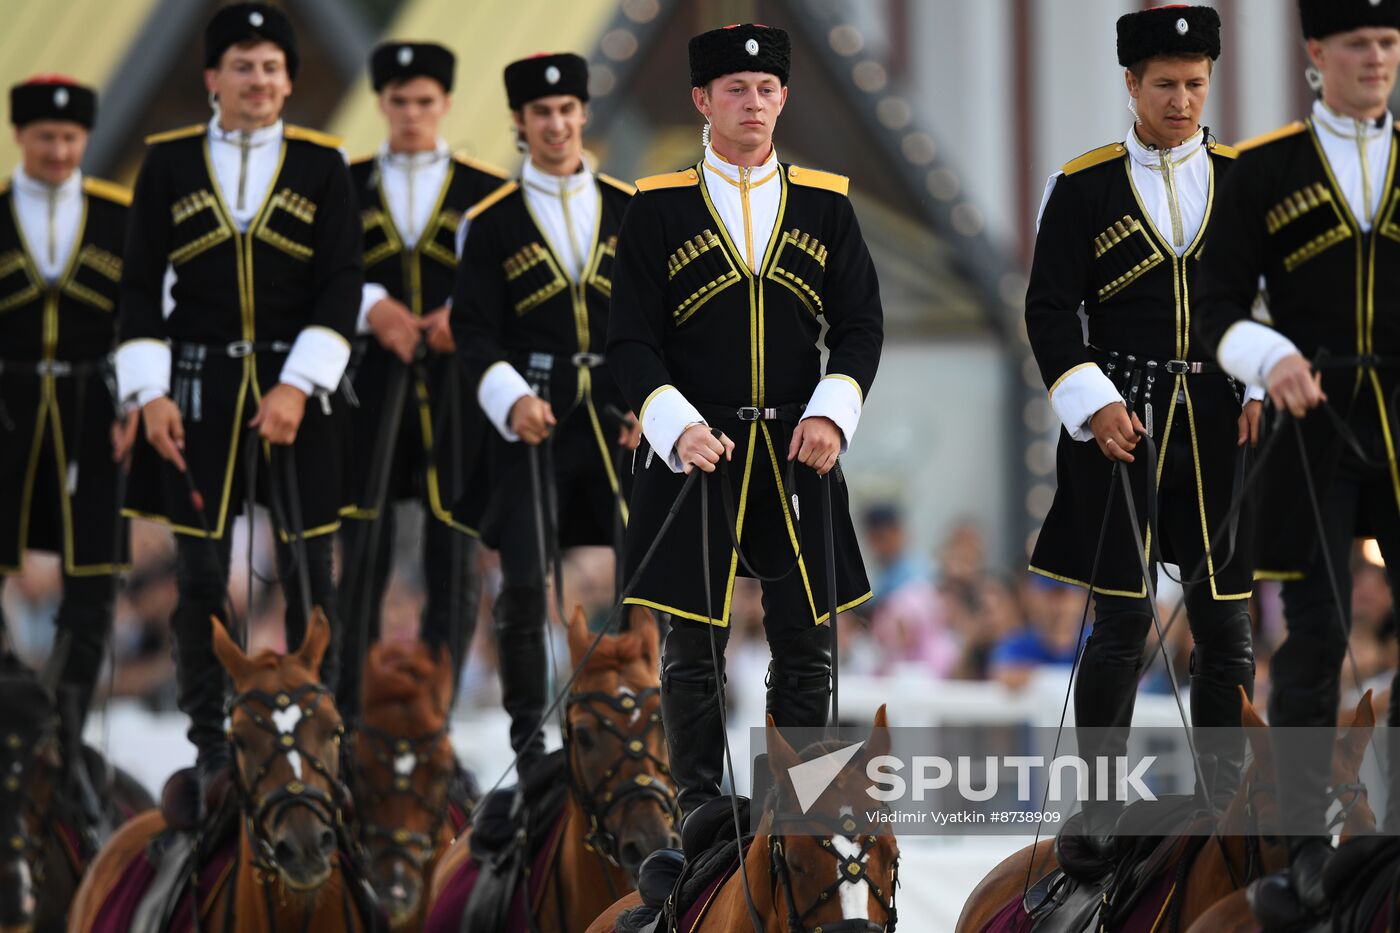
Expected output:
{"points": [[1122, 232], [726, 271], [238, 299]]}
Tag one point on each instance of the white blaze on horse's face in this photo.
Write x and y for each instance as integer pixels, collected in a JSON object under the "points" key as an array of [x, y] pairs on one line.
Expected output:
{"points": [[286, 722], [855, 900], [405, 763]]}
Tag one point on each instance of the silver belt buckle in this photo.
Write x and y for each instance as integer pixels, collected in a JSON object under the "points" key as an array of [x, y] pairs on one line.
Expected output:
{"points": [[1179, 367], [749, 413], [239, 349], [587, 360]]}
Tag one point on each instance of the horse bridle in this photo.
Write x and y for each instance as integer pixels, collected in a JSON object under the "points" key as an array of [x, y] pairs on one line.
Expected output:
{"points": [[293, 793], [405, 845], [851, 869], [599, 801], [18, 759]]}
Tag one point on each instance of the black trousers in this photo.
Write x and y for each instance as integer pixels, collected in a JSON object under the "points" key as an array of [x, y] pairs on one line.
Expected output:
{"points": [[201, 572], [1307, 668], [453, 594], [85, 613]]}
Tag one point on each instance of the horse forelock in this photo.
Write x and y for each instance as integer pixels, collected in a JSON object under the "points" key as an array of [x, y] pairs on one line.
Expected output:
{"points": [[400, 674], [615, 652]]}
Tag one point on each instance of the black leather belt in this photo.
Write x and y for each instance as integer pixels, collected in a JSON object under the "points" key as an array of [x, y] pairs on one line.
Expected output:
{"points": [[787, 414], [1127, 361]]}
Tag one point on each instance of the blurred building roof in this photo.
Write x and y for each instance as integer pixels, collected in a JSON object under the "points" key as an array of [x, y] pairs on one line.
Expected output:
{"points": [[86, 39]]}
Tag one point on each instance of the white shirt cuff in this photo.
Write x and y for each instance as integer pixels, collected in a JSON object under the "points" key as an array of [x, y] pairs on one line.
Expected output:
{"points": [[1254, 393], [317, 361], [839, 398], [370, 295], [1079, 393], [500, 388], [1249, 350], [143, 370], [148, 395], [665, 416]]}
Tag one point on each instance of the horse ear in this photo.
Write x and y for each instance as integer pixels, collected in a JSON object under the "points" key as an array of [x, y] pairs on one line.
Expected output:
{"points": [[1358, 733], [313, 646], [1249, 716], [442, 679], [781, 757], [878, 745], [227, 651], [578, 634]]}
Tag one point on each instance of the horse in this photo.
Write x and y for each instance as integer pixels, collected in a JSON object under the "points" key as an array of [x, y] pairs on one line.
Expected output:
{"points": [[46, 854], [1245, 847], [400, 771], [1232, 914], [828, 868], [293, 864], [619, 806]]}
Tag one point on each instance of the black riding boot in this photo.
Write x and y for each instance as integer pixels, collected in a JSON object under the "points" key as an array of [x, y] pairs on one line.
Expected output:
{"points": [[799, 679], [1105, 692], [454, 591], [363, 579], [199, 677], [524, 668], [690, 711], [1220, 667], [86, 615]]}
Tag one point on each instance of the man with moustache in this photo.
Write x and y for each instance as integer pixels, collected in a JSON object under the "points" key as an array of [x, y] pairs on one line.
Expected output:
{"points": [[530, 320], [238, 299], [725, 274], [62, 439], [1121, 234], [412, 196], [1311, 210]]}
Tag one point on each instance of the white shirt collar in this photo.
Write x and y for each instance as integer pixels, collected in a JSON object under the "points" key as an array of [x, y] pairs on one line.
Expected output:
{"points": [[1151, 156], [259, 137], [723, 167], [418, 160], [1349, 127], [538, 179], [69, 187]]}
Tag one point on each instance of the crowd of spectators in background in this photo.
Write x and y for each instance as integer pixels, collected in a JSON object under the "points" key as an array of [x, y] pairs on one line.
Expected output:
{"points": [[948, 614]]}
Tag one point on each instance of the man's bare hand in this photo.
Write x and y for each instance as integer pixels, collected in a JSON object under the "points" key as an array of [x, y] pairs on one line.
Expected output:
{"points": [[1115, 431], [437, 327], [697, 447], [1249, 423], [124, 435], [165, 429], [279, 416], [629, 432], [395, 327], [531, 417], [1293, 385], [816, 442]]}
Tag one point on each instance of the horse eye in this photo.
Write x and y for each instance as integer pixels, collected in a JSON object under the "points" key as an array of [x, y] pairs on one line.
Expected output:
{"points": [[584, 738]]}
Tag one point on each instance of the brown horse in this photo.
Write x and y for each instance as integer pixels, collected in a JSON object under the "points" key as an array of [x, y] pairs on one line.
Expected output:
{"points": [[401, 770], [45, 857], [1246, 838], [289, 872], [1231, 914], [823, 869], [620, 807]]}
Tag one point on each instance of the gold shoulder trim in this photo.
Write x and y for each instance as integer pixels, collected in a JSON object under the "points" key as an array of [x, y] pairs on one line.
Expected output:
{"points": [[617, 183], [812, 178], [479, 208], [1229, 152], [1283, 132], [683, 179], [183, 132], [109, 190], [361, 160], [1094, 157], [291, 131], [463, 159]]}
